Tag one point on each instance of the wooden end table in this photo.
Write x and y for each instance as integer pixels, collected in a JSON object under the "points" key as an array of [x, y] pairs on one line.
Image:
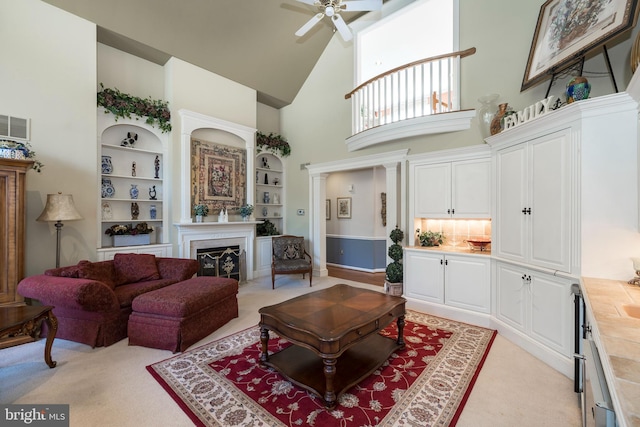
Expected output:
{"points": [[20, 325], [335, 337]]}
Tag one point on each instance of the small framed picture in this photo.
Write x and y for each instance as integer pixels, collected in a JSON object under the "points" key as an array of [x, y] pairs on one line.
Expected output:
{"points": [[327, 209], [344, 207]]}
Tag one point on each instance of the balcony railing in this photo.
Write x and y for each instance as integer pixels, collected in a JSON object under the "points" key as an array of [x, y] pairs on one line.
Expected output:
{"points": [[421, 88]]}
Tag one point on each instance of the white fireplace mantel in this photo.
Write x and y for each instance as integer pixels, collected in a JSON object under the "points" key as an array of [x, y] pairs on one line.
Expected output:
{"points": [[192, 234]]}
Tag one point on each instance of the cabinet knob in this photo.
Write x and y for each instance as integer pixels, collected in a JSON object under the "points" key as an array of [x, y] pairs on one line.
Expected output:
{"points": [[453, 211], [449, 211]]}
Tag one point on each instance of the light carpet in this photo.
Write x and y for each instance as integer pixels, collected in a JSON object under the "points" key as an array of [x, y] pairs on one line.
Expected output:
{"points": [[426, 384]]}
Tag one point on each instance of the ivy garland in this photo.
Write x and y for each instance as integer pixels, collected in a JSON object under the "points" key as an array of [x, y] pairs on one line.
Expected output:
{"points": [[124, 105], [273, 142]]}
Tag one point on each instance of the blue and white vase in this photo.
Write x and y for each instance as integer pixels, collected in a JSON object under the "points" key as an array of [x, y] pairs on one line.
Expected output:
{"points": [[152, 212], [107, 188], [107, 166], [133, 191]]}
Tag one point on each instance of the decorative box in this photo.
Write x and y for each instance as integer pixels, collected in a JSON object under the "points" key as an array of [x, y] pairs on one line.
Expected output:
{"points": [[131, 240], [10, 153]]}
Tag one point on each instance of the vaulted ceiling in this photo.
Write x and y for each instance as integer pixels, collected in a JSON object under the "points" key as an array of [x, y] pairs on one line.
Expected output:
{"points": [[251, 42]]}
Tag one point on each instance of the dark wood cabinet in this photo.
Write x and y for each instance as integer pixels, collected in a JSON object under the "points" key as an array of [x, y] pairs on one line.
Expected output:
{"points": [[12, 227]]}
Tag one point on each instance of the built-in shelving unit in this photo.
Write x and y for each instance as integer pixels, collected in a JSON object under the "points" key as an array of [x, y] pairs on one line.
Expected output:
{"points": [[270, 179], [141, 165]]}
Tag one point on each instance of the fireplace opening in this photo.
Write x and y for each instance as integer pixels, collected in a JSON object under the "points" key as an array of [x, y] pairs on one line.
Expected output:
{"points": [[227, 261]]}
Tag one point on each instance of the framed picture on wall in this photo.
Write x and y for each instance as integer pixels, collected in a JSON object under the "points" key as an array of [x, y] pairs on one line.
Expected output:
{"points": [[344, 207], [567, 30], [327, 209]]}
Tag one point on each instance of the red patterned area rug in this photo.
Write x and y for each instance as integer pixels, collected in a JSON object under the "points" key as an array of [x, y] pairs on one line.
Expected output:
{"points": [[426, 384]]}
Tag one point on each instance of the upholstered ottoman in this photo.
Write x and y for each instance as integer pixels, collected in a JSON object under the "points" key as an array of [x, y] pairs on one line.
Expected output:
{"points": [[177, 316]]}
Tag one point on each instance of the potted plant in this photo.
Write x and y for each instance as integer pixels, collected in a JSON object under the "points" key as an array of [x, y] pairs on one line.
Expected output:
{"points": [[246, 211], [430, 238], [267, 228], [394, 274], [200, 211], [129, 235], [20, 151]]}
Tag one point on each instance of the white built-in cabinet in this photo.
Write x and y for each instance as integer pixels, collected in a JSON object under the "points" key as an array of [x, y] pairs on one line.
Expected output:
{"points": [[456, 280], [534, 201], [269, 205], [536, 304], [149, 153], [451, 184]]}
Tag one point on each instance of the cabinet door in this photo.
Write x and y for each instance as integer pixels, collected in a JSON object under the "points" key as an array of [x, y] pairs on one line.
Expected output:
{"points": [[432, 191], [424, 276], [511, 192], [550, 201], [467, 283], [263, 254], [471, 189], [510, 295], [550, 312]]}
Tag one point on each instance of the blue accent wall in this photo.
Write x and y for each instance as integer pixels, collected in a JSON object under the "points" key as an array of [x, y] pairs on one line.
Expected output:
{"points": [[359, 253]]}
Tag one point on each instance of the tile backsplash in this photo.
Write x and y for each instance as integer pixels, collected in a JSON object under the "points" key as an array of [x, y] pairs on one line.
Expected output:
{"points": [[456, 231]]}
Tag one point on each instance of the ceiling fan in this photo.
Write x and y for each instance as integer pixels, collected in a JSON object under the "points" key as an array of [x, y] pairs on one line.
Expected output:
{"points": [[332, 8]]}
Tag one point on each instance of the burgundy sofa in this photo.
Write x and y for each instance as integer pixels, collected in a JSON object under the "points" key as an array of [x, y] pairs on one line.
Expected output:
{"points": [[92, 300]]}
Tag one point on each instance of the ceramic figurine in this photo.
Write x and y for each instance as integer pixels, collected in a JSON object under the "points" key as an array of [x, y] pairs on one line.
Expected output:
{"points": [[265, 197], [156, 164], [152, 193], [108, 189], [131, 139], [135, 211], [107, 214], [107, 166], [133, 169]]}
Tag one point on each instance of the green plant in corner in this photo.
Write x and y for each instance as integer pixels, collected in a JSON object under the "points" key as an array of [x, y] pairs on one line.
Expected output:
{"points": [[394, 269], [430, 238]]}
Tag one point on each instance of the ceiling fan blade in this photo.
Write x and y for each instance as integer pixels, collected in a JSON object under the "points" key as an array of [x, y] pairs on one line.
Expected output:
{"points": [[342, 27], [358, 5], [310, 23], [311, 2]]}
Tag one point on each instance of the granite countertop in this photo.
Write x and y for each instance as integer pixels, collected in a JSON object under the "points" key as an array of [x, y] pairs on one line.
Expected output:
{"points": [[461, 249], [618, 340]]}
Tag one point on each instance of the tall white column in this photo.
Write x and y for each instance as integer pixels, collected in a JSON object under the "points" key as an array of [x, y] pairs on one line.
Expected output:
{"points": [[318, 232]]}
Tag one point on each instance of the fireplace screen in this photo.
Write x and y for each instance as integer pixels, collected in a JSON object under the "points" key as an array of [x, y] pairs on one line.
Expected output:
{"points": [[224, 262]]}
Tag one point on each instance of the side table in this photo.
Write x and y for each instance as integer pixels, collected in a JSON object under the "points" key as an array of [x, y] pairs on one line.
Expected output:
{"points": [[20, 325]]}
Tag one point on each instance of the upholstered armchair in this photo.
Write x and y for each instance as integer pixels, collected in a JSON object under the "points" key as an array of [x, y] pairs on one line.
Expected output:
{"points": [[289, 257]]}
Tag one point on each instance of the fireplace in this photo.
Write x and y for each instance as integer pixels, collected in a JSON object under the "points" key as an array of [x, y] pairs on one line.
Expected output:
{"points": [[224, 261], [196, 238]]}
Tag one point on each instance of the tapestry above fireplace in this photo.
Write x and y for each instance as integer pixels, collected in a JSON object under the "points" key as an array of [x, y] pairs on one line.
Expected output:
{"points": [[218, 175]]}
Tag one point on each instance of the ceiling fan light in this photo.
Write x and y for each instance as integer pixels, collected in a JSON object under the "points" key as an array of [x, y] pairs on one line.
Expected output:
{"points": [[329, 11]]}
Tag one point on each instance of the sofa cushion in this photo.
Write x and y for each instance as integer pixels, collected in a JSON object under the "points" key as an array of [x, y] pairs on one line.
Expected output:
{"points": [[127, 292], [72, 271], [133, 268], [102, 271]]}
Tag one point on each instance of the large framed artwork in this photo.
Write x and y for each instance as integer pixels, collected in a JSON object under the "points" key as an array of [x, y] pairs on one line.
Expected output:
{"points": [[218, 175], [568, 29]]}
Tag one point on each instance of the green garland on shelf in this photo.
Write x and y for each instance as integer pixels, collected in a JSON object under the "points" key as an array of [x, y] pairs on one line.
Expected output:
{"points": [[273, 142], [124, 105]]}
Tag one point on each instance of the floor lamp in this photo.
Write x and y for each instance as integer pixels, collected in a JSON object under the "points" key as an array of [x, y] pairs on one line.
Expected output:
{"points": [[59, 208]]}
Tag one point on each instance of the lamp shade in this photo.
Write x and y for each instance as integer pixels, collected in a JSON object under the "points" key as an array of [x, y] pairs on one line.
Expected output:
{"points": [[59, 207]]}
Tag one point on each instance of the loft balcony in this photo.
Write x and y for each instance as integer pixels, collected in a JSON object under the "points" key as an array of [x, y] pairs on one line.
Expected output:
{"points": [[419, 98]]}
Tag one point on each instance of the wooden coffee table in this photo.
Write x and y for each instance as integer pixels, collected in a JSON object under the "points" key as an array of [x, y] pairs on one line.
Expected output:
{"points": [[335, 337], [20, 325]]}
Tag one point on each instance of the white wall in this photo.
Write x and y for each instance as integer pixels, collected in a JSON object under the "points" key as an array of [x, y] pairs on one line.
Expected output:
{"points": [[366, 220], [319, 119], [48, 74]]}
